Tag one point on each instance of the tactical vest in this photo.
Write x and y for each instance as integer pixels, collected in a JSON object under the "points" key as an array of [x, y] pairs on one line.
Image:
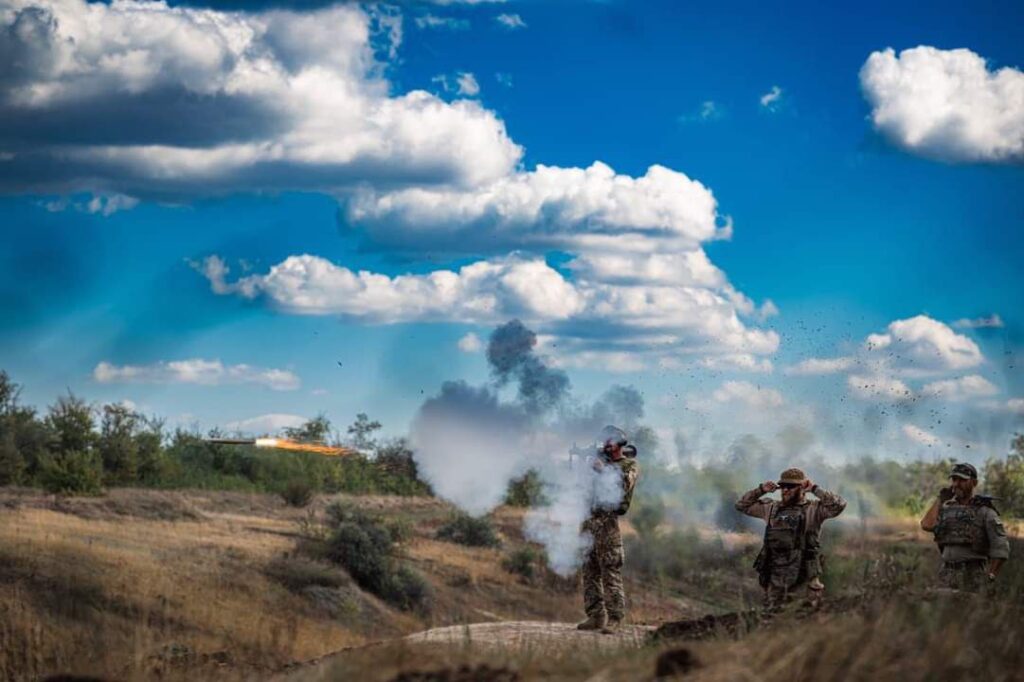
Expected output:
{"points": [[963, 525], [789, 554]]}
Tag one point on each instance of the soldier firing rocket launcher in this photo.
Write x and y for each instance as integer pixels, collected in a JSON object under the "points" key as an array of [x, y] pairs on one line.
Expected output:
{"points": [[285, 444], [599, 450]]}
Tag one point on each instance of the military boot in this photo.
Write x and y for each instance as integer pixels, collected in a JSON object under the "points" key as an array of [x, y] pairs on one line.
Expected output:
{"points": [[613, 626], [592, 623]]}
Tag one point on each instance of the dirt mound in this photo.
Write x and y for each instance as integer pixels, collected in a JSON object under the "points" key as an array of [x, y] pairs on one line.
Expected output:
{"points": [[532, 635]]}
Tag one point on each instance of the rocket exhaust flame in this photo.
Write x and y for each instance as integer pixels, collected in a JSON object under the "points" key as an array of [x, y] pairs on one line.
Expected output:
{"points": [[285, 444]]}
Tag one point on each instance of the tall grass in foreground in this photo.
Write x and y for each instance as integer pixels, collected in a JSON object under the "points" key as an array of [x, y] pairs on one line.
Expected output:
{"points": [[887, 622]]}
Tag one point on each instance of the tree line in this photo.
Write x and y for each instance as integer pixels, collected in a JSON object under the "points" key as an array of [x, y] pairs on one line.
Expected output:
{"points": [[79, 448]]}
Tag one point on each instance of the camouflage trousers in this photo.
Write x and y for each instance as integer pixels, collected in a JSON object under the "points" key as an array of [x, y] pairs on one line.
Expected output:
{"points": [[603, 593], [776, 597], [968, 576]]}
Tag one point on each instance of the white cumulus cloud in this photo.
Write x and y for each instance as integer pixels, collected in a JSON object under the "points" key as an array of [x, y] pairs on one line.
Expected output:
{"points": [[962, 388], [467, 84], [878, 388], [946, 104], [593, 208], [510, 21], [992, 321], [920, 345], [195, 371], [266, 423], [748, 394], [920, 436], [771, 99], [818, 366], [145, 99], [470, 343], [432, 21], [738, 362], [590, 317]]}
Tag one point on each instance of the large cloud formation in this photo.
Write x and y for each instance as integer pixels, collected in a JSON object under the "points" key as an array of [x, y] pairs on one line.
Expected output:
{"points": [[946, 104], [141, 99], [151, 100]]}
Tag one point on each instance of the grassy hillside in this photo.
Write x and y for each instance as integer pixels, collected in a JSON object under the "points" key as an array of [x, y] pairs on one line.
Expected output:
{"points": [[216, 585], [142, 581]]}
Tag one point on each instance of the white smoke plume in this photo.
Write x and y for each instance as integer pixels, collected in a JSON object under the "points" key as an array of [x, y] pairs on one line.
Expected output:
{"points": [[469, 445], [573, 491]]}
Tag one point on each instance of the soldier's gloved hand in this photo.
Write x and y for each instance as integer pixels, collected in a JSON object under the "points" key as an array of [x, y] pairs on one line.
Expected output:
{"points": [[945, 494], [769, 487]]}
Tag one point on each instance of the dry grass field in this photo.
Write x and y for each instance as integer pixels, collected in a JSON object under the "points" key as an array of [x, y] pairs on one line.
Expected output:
{"points": [[194, 585]]}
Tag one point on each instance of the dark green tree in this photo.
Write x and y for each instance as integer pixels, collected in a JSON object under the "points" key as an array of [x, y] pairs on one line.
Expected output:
{"points": [[72, 423], [316, 430], [361, 432], [117, 443], [12, 462], [1004, 478]]}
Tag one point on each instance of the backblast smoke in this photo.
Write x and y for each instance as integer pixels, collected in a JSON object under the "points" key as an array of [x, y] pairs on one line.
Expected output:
{"points": [[469, 445]]}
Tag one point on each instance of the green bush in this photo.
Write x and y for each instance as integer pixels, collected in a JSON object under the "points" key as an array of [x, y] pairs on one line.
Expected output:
{"points": [[298, 573], [648, 515], [526, 491], [72, 473], [525, 562], [683, 556], [408, 590], [364, 546], [298, 492], [12, 463], [1004, 478], [471, 531]]}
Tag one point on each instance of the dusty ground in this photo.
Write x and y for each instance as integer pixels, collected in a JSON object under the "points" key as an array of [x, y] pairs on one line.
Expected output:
{"points": [[182, 585], [138, 582]]}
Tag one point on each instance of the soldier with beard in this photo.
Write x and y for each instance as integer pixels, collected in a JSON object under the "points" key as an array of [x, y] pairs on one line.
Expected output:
{"points": [[604, 598], [969, 532], [790, 556]]}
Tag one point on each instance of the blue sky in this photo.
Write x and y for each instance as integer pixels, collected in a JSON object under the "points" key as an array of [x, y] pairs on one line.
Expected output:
{"points": [[850, 199]]}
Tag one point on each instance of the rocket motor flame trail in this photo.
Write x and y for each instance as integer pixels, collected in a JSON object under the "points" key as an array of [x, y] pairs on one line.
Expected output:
{"points": [[284, 444]]}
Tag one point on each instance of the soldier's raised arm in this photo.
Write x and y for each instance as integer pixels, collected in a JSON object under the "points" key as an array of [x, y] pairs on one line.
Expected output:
{"points": [[830, 504], [630, 472], [751, 504]]}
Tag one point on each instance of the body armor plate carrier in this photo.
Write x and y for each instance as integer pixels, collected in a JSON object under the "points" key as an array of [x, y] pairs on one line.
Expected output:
{"points": [[789, 555], [963, 525]]}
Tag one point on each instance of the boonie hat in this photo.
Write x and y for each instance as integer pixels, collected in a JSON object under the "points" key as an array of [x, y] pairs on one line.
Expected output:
{"points": [[795, 476], [965, 471]]}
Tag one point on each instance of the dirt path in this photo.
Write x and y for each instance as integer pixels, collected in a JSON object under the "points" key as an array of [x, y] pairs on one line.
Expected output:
{"points": [[530, 635], [536, 637]]}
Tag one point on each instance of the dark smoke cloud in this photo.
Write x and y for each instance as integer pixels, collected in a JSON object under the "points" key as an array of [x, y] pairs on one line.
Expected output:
{"points": [[510, 354], [479, 404]]}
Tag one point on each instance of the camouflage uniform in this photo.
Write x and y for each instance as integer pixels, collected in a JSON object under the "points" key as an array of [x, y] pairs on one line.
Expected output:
{"points": [[968, 536], [790, 557], [604, 598]]}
